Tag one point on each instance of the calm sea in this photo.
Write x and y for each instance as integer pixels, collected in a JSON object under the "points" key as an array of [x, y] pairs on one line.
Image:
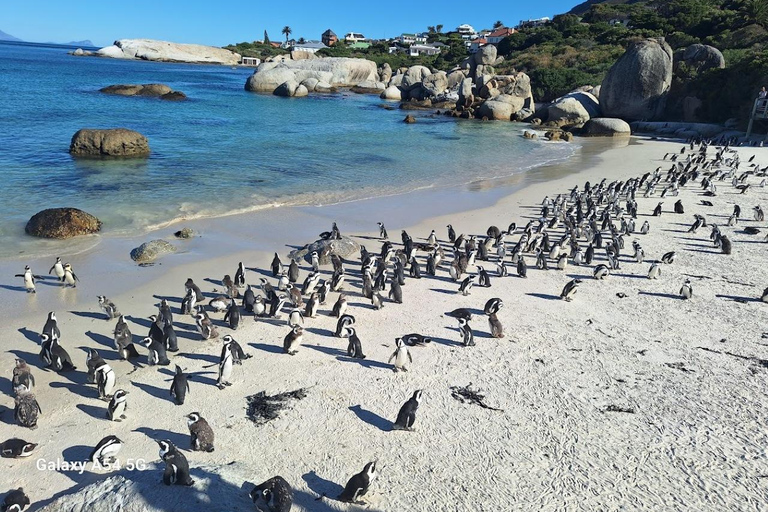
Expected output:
{"points": [[221, 151]]}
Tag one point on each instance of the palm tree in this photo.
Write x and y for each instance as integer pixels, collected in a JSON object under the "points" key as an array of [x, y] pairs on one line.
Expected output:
{"points": [[498, 24], [287, 31], [756, 11], [439, 28], [431, 29]]}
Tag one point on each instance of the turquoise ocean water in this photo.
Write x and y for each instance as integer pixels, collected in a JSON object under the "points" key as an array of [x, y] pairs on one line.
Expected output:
{"points": [[223, 150]]}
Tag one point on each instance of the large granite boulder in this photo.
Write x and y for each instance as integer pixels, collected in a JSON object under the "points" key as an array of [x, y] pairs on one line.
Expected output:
{"points": [[606, 127], [486, 55], [385, 73], [518, 84], [335, 71], [637, 85], [392, 93], [286, 89], [700, 57], [435, 84], [414, 76], [150, 251], [575, 108], [164, 51], [455, 78], [161, 91], [501, 107], [466, 97], [62, 223], [343, 248], [110, 142]]}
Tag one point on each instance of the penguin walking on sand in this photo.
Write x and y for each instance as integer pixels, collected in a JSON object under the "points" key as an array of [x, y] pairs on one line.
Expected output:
{"points": [[226, 362], [70, 278], [29, 279], [339, 307], [358, 485], [406, 417], [240, 275], [655, 271], [15, 501], [466, 285], [16, 448], [58, 270], [275, 494], [467, 336], [686, 291], [22, 375], [382, 231], [484, 279], [105, 381], [570, 289], [105, 452], [117, 406], [292, 340], [200, 432], [156, 354], [26, 410], [108, 307], [124, 340], [176, 465], [179, 386], [355, 348], [401, 356]]}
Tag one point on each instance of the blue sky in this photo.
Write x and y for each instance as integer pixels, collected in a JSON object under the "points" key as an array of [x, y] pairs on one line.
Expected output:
{"points": [[220, 23]]}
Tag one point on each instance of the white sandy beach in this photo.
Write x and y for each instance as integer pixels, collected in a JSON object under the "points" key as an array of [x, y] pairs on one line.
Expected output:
{"points": [[692, 372]]}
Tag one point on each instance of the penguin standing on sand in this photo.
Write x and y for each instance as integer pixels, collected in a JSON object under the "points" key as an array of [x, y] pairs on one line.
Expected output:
{"points": [[205, 327], [105, 381], [124, 340], [313, 304], [657, 210], [395, 291], [226, 362], [240, 275], [355, 348], [108, 307], [190, 285], [484, 279], [293, 271], [26, 408], [466, 285], [401, 356], [169, 338], [654, 272], [569, 291], [679, 207], [58, 270], [29, 279], [60, 360], [340, 306], [358, 485], [451, 234], [249, 298], [669, 257], [468, 338], [343, 326], [92, 362], [686, 291], [497, 331], [407, 415], [275, 494], [22, 375], [277, 266], [292, 340], [238, 354], [179, 386], [233, 315], [382, 231], [156, 354], [377, 301], [117, 406], [51, 327], [200, 432], [522, 267], [601, 272], [176, 465], [105, 452], [70, 278]]}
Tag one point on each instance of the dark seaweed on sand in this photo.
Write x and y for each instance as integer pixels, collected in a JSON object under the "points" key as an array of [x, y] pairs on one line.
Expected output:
{"points": [[467, 395], [263, 408]]}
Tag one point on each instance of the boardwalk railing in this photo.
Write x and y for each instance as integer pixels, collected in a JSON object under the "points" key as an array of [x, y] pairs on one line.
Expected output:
{"points": [[759, 111]]}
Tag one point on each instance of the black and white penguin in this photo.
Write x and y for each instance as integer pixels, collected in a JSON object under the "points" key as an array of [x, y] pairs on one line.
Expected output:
{"points": [[466, 285], [655, 271], [92, 362], [70, 278], [310, 283], [51, 327], [501, 269], [451, 234], [179, 386], [292, 340], [460, 313], [377, 301], [276, 304], [686, 291], [669, 257], [645, 228], [117, 406], [200, 432], [170, 340], [232, 316], [342, 326], [313, 304], [105, 452], [275, 495], [484, 279], [401, 356], [205, 327], [382, 231], [105, 381], [657, 210], [26, 408], [59, 357], [601, 272], [226, 362], [108, 307], [238, 354], [295, 317], [293, 271], [15, 501], [569, 291], [492, 306], [240, 275], [156, 354], [358, 485], [156, 329], [22, 375], [249, 298], [467, 336], [679, 207], [29, 279], [190, 285], [395, 291], [522, 267], [406, 417], [414, 339], [277, 266], [355, 348], [16, 448], [219, 304], [57, 269], [259, 307], [176, 465], [124, 340], [337, 281], [189, 303], [339, 307]]}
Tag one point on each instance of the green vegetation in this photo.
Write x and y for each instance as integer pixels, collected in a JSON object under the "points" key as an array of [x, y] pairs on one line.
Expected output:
{"points": [[256, 49], [578, 49]]}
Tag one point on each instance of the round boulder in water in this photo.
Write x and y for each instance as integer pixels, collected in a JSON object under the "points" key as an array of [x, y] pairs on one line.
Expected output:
{"points": [[62, 223]]}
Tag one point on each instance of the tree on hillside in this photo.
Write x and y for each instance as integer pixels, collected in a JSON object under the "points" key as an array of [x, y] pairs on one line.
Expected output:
{"points": [[286, 31], [756, 11], [431, 29], [498, 24], [302, 40], [266, 38], [439, 28]]}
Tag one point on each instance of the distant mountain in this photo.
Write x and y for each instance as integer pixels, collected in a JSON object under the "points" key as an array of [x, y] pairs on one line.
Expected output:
{"points": [[584, 7], [7, 37], [84, 42]]}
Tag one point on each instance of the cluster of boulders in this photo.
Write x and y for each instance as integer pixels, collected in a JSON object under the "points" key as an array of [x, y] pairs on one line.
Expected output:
{"points": [[297, 78], [165, 51], [161, 91]]}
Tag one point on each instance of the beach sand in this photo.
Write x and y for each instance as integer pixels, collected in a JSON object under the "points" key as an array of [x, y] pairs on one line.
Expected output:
{"points": [[691, 372]]}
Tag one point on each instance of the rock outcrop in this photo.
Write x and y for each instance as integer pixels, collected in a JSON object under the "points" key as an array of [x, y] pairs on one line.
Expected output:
{"points": [[150, 251], [573, 109], [637, 85], [161, 91], [343, 248], [606, 127], [164, 51], [392, 93], [119, 142], [62, 223], [700, 57], [334, 71]]}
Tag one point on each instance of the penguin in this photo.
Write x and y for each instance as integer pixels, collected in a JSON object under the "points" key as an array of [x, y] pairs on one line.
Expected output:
{"points": [[105, 452], [646, 228], [382, 231], [249, 298], [451, 234], [466, 285], [240, 275], [15, 501], [190, 285], [92, 362], [156, 352], [156, 329], [759, 215], [277, 266], [164, 314], [322, 291], [70, 278], [355, 348], [415, 270], [309, 284], [493, 306], [657, 210], [275, 495], [414, 339], [51, 327], [359, 484], [522, 267], [679, 207], [315, 261], [293, 271], [275, 307], [467, 336], [233, 315], [22, 375], [601, 272], [337, 281], [179, 386], [406, 417], [200, 432], [313, 304], [292, 341], [562, 262], [226, 362], [219, 304], [377, 301], [176, 465], [169, 338], [461, 313], [339, 307], [45, 350], [497, 331], [205, 327], [401, 356], [655, 271], [502, 270], [124, 340], [541, 261], [189, 302], [395, 291], [105, 381], [29, 279], [16, 448], [259, 307], [238, 354], [726, 247], [295, 317], [669, 257], [686, 291], [58, 270], [60, 360], [108, 307], [484, 279], [569, 291], [342, 326], [117, 406], [26, 408]]}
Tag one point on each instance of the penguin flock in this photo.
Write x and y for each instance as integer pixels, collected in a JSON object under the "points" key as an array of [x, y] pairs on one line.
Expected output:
{"points": [[588, 226]]}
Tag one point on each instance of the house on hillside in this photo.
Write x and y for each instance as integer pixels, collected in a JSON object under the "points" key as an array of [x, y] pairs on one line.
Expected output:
{"points": [[308, 46], [360, 45], [467, 32], [497, 35], [329, 38], [354, 37], [250, 61], [538, 22], [411, 39], [476, 44]]}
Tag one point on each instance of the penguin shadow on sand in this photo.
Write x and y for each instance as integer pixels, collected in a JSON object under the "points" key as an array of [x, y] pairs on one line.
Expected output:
{"points": [[6, 416], [104, 341], [168, 298], [159, 393], [155, 434], [80, 453], [143, 322], [546, 296], [97, 413], [91, 314], [13, 288], [476, 332], [6, 385], [264, 347], [30, 335], [29, 357], [208, 358], [661, 295], [737, 298], [372, 418]]}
